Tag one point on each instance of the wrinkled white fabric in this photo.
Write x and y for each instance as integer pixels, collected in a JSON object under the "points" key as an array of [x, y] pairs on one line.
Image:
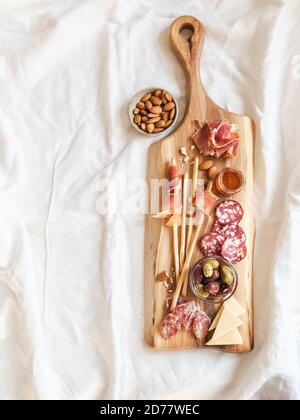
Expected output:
{"points": [[71, 280]]}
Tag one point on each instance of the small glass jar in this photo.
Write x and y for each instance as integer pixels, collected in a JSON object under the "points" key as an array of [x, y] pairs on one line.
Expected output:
{"points": [[229, 181], [197, 279]]}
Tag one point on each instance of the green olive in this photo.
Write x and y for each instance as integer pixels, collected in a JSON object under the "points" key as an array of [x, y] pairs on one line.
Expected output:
{"points": [[201, 290], [208, 270], [214, 263], [226, 274]]}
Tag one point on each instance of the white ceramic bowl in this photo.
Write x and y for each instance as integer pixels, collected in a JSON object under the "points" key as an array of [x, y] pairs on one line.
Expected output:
{"points": [[132, 105]]}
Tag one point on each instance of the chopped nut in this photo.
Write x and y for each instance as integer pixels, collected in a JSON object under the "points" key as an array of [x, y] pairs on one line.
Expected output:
{"points": [[193, 147], [183, 151], [186, 159], [163, 276], [166, 284]]}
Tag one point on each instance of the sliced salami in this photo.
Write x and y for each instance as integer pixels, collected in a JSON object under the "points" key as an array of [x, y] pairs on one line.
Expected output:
{"points": [[170, 326], [211, 244], [234, 249], [185, 313], [190, 316], [233, 231], [229, 212], [201, 324]]}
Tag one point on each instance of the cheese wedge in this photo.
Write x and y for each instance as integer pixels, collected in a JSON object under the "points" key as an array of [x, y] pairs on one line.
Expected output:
{"points": [[227, 322], [236, 308], [231, 338], [216, 320]]}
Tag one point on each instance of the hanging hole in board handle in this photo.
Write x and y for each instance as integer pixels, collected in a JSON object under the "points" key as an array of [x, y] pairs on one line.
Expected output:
{"points": [[186, 38], [187, 33]]}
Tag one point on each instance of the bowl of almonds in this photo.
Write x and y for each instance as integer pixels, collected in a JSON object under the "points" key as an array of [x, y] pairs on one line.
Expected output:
{"points": [[153, 112]]}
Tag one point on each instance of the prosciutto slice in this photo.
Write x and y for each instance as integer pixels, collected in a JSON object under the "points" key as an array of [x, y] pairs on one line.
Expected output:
{"points": [[217, 138]]}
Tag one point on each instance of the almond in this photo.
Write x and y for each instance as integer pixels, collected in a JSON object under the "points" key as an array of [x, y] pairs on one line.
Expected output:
{"points": [[172, 114], [153, 120], [169, 106], [150, 115], [157, 93], [144, 119], [168, 97], [143, 126], [168, 123], [137, 119], [158, 130], [150, 128], [136, 111], [209, 185], [206, 165], [146, 97], [148, 104], [165, 116], [155, 100], [156, 110], [164, 99], [213, 171], [160, 124], [143, 112], [140, 105]]}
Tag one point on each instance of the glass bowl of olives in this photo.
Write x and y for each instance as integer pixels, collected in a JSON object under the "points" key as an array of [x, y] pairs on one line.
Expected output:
{"points": [[213, 279]]}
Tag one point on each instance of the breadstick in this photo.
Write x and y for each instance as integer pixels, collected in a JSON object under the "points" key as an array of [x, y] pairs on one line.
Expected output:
{"points": [[183, 220], [185, 269], [195, 179], [172, 175], [175, 251]]}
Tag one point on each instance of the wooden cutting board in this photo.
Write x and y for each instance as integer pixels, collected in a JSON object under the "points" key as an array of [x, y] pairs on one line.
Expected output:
{"points": [[158, 245]]}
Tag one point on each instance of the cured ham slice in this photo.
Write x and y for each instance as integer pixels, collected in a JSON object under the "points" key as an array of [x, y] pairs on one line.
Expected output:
{"points": [[217, 138]]}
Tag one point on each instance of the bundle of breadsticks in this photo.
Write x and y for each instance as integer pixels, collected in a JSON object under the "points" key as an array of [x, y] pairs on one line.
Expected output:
{"points": [[184, 251]]}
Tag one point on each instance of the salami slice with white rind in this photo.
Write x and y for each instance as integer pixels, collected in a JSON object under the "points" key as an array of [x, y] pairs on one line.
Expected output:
{"points": [[201, 324], [233, 231], [234, 249], [211, 244], [229, 212]]}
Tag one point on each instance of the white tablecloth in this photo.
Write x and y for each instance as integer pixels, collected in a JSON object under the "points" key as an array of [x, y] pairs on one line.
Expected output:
{"points": [[71, 280]]}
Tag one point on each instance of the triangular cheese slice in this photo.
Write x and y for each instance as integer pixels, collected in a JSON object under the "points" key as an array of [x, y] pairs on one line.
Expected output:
{"points": [[236, 308], [231, 338], [216, 320], [228, 322]]}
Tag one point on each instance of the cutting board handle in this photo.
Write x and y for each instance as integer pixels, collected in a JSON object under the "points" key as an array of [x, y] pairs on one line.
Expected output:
{"points": [[188, 51]]}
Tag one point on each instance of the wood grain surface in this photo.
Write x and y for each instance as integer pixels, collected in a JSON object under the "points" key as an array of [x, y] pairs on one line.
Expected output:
{"points": [[158, 237]]}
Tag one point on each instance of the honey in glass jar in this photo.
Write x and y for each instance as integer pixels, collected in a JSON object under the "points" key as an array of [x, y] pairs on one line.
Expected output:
{"points": [[229, 181]]}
